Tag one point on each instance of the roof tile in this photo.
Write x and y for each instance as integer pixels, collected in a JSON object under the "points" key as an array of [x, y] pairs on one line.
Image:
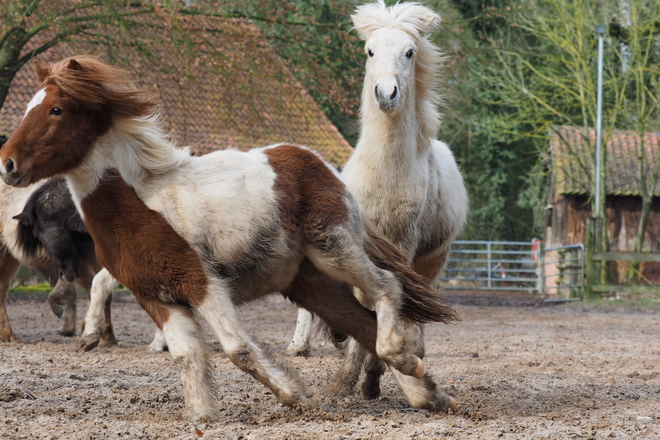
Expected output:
{"points": [[573, 160], [253, 101]]}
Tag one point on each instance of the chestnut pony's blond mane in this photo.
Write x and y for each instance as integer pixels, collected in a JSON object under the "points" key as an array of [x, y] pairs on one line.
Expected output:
{"points": [[136, 120]]}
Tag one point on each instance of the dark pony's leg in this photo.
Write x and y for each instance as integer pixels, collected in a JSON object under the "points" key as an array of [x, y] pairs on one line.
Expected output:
{"points": [[62, 300], [8, 268]]}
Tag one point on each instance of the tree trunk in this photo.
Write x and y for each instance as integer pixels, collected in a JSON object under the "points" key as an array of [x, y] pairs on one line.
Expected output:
{"points": [[10, 52], [640, 236]]}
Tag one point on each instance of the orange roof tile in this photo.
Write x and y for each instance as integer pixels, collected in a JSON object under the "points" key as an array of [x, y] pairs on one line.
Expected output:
{"points": [[253, 100], [572, 176]]}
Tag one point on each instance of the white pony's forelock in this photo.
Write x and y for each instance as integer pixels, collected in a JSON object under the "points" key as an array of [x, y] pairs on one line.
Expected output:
{"points": [[418, 21], [412, 18]]}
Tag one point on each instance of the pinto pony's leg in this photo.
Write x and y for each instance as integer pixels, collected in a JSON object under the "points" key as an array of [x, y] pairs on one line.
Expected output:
{"points": [[8, 268], [334, 302], [62, 300], [99, 307], [182, 333], [341, 255], [283, 381], [159, 343], [301, 336]]}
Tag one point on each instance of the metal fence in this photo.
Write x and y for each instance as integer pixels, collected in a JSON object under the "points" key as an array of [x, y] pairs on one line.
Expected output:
{"points": [[492, 265], [556, 273]]}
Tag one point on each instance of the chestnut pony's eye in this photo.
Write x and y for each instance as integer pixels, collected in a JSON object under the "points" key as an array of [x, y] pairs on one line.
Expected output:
{"points": [[410, 53], [370, 53], [56, 111]]}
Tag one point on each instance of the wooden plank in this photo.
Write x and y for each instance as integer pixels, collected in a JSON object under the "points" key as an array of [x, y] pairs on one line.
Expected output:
{"points": [[626, 256], [636, 288]]}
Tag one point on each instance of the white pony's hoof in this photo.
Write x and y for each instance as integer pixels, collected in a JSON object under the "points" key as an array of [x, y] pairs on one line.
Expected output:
{"points": [[297, 351]]}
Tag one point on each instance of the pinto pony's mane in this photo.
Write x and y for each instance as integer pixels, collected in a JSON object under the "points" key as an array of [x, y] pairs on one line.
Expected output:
{"points": [[99, 87], [419, 22]]}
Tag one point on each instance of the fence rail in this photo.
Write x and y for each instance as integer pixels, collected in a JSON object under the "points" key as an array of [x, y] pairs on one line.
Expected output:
{"points": [[492, 265], [556, 273]]}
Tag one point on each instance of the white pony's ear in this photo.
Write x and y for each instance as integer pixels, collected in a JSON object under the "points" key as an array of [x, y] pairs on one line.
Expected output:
{"points": [[365, 23], [429, 22]]}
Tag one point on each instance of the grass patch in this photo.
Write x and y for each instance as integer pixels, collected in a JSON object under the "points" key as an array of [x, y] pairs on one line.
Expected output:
{"points": [[642, 304], [36, 288]]}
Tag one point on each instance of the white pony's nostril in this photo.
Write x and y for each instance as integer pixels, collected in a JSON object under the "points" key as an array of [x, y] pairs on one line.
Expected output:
{"points": [[376, 92], [393, 95]]}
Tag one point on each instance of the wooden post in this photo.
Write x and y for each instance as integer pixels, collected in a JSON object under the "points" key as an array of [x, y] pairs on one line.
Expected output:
{"points": [[593, 275]]}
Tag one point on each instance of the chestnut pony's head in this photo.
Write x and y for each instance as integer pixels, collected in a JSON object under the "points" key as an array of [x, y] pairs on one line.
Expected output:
{"points": [[78, 101]]}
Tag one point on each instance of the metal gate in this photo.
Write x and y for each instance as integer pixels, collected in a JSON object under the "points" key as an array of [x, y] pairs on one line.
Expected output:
{"points": [[562, 273], [556, 273], [492, 265]]}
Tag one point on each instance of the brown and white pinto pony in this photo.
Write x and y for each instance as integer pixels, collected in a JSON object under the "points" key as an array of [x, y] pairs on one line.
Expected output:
{"points": [[198, 236], [406, 181]]}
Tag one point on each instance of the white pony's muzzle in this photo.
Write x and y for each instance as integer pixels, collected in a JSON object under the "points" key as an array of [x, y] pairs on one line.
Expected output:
{"points": [[387, 95]]}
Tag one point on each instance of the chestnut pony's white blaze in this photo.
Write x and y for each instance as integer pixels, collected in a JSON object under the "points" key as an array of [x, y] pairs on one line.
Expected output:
{"points": [[406, 181], [36, 100], [199, 235]]}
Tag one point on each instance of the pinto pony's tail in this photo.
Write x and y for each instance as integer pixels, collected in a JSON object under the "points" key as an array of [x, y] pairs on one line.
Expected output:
{"points": [[420, 303]]}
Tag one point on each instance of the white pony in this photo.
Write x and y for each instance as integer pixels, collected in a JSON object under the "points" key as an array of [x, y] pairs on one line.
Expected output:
{"points": [[406, 181]]}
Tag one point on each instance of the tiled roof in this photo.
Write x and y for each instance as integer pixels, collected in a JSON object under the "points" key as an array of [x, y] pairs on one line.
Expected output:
{"points": [[567, 144], [252, 101]]}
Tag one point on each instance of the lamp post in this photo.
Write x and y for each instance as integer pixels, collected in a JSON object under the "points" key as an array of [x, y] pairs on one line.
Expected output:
{"points": [[600, 30]]}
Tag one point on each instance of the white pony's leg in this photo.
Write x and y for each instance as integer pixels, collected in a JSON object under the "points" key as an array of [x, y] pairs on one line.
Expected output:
{"points": [[182, 334], [159, 343], [284, 382], [102, 287], [303, 334], [349, 373]]}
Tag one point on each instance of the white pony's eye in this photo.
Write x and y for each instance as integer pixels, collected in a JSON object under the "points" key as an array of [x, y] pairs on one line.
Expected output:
{"points": [[370, 53], [410, 53]]}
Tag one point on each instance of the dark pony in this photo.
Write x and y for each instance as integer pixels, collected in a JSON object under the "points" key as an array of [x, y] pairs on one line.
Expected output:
{"points": [[50, 222]]}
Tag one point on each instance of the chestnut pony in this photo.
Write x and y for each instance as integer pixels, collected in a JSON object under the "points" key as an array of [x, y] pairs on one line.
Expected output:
{"points": [[198, 236]]}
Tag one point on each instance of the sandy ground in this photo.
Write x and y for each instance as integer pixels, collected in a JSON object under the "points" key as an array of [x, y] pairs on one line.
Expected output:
{"points": [[519, 371]]}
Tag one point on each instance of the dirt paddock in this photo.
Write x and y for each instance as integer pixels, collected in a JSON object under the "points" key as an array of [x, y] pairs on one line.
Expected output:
{"points": [[518, 369]]}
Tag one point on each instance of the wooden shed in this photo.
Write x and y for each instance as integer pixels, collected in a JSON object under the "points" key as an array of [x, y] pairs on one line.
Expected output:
{"points": [[568, 199]]}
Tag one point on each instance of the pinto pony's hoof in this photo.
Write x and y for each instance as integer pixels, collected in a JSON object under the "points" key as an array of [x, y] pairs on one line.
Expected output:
{"points": [[8, 337], [453, 405], [408, 364], [418, 373]]}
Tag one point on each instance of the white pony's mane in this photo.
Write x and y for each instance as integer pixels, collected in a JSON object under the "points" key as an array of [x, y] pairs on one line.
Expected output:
{"points": [[419, 22], [142, 145]]}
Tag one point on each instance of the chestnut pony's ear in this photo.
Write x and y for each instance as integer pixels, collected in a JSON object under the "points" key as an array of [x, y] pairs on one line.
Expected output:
{"points": [[74, 65], [42, 71]]}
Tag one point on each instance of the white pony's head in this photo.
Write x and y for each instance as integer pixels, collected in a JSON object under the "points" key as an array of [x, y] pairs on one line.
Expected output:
{"points": [[399, 52]]}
